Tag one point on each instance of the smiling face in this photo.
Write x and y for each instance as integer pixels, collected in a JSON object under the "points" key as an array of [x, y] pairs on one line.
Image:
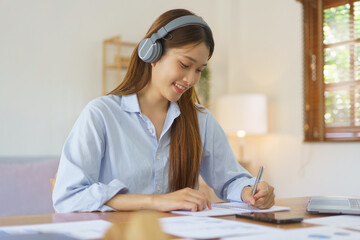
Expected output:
{"points": [[177, 71]]}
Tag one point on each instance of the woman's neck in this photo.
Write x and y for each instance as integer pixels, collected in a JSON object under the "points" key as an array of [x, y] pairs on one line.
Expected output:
{"points": [[151, 101], [155, 107]]}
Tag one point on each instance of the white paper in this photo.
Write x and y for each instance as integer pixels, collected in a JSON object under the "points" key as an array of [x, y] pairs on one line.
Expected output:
{"points": [[207, 227], [93, 229], [353, 227], [229, 208], [243, 207], [311, 233], [208, 212], [336, 221]]}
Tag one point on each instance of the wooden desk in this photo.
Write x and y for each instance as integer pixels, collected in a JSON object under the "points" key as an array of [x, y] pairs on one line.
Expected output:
{"points": [[297, 205]]}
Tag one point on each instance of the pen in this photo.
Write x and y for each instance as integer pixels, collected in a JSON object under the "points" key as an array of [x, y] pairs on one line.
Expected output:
{"points": [[258, 179]]}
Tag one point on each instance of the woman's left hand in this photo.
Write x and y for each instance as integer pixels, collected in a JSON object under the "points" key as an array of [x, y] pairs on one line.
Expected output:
{"points": [[264, 196]]}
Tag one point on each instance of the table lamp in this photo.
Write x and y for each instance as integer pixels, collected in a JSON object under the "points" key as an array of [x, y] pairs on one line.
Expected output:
{"points": [[242, 114]]}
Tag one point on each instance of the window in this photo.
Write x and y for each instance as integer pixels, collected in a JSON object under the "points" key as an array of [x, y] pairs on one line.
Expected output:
{"points": [[332, 70]]}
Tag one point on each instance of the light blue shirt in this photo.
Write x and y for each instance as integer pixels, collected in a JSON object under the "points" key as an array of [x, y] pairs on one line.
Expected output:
{"points": [[112, 149]]}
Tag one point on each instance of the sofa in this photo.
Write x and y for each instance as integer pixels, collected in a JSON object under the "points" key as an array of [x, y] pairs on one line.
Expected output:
{"points": [[25, 185]]}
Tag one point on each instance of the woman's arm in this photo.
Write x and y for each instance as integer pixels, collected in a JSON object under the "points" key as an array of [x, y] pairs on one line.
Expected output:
{"points": [[77, 187], [224, 174], [186, 198]]}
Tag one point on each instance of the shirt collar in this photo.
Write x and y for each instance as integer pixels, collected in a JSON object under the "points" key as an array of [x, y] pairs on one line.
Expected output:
{"points": [[130, 103], [174, 110]]}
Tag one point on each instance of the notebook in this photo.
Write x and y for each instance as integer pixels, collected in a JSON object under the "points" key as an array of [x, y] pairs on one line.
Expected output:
{"points": [[334, 205]]}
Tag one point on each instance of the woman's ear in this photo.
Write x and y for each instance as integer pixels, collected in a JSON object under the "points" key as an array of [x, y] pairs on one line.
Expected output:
{"points": [[153, 64]]}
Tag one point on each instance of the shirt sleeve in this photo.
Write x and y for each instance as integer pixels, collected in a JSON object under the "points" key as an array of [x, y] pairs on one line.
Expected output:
{"points": [[77, 186], [219, 167]]}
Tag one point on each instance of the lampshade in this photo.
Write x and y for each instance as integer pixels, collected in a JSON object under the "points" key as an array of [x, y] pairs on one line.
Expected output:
{"points": [[242, 112]]}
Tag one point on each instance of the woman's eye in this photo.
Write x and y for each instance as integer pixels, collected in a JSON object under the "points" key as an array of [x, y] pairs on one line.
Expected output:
{"points": [[183, 65]]}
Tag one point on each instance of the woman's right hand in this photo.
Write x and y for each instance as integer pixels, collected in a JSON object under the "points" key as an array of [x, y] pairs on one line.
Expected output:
{"points": [[185, 198]]}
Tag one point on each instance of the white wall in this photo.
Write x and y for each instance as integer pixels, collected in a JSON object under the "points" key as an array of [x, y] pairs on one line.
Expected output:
{"points": [[50, 67], [50, 62], [268, 59]]}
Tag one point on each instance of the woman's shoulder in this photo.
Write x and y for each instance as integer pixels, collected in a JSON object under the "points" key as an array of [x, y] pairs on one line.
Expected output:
{"points": [[105, 100], [204, 114], [104, 104]]}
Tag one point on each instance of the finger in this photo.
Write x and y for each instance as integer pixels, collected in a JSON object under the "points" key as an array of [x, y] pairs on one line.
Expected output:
{"points": [[259, 202], [264, 190], [208, 203], [269, 203], [203, 198], [247, 197], [265, 202], [261, 194], [197, 197], [262, 201], [189, 205], [200, 204], [270, 198]]}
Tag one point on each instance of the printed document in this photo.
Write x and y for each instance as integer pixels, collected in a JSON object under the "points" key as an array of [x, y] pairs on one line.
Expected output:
{"points": [[93, 229], [310, 233], [336, 221], [208, 212], [230, 208], [244, 207], [351, 222], [207, 227]]}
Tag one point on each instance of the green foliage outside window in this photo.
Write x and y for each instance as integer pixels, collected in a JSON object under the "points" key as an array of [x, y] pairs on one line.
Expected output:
{"points": [[203, 87], [341, 65]]}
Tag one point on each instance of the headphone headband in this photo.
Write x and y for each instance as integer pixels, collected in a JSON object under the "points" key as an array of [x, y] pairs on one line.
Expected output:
{"points": [[150, 49]]}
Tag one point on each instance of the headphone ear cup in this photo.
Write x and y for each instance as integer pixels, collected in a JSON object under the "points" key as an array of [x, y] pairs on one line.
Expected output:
{"points": [[157, 50], [149, 52]]}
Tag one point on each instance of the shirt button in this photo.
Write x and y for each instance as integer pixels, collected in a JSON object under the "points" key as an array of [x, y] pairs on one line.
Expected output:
{"points": [[158, 188], [150, 131], [158, 157]]}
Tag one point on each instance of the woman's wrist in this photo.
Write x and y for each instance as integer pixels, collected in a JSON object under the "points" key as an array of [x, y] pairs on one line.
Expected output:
{"points": [[243, 191], [150, 202], [132, 202]]}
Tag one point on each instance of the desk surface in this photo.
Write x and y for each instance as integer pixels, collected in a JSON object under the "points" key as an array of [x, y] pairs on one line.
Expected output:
{"points": [[297, 205]]}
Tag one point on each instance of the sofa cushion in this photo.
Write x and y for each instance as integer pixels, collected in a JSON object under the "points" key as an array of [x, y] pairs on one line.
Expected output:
{"points": [[25, 185]]}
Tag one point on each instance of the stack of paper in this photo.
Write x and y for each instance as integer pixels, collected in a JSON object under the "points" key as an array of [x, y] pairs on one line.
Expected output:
{"points": [[244, 207], [206, 227], [230, 208], [351, 222], [336, 227], [92, 229], [310, 233]]}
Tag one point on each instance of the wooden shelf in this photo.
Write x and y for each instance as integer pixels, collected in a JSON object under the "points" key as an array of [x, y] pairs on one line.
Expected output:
{"points": [[114, 58], [124, 64]]}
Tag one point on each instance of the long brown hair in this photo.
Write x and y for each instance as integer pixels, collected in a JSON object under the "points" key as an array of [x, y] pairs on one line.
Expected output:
{"points": [[185, 142]]}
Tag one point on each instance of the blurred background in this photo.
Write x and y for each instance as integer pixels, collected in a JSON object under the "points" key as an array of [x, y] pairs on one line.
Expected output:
{"points": [[51, 67]]}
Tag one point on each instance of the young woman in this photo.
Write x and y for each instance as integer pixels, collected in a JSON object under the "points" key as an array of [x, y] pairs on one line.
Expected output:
{"points": [[144, 145]]}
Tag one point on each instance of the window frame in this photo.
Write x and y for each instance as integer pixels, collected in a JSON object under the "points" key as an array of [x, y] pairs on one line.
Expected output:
{"points": [[315, 129]]}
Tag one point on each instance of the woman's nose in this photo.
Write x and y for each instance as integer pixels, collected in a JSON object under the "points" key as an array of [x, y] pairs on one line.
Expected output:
{"points": [[191, 79]]}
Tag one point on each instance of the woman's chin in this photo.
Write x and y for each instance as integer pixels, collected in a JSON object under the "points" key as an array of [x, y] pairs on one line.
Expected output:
{"points": [[174, 97]]}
